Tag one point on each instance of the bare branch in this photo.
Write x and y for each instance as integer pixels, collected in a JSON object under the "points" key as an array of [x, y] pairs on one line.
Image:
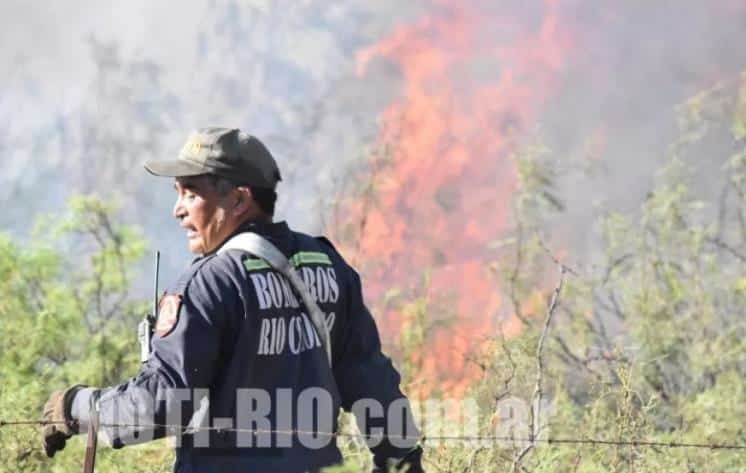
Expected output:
{"points": [[565, 268], [722, 210], [539, 387], [614, 264], [507, 381], [724, 246], [572, 357], [513, 278]]}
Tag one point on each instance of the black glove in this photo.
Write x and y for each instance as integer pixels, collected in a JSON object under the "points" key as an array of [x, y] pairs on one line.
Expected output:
{"points": [[411, 463], [62, 426]]}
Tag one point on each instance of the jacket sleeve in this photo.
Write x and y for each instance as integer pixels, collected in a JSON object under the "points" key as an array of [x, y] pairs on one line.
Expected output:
{"points": [[369, 385], [181, 361]]}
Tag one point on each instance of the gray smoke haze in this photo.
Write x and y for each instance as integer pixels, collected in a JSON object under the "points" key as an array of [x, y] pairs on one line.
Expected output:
{"points": [[637, 62], [90, 90]]}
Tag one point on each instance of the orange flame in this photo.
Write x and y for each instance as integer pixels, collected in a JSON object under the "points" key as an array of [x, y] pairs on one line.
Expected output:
{"points": [[445, 192]]}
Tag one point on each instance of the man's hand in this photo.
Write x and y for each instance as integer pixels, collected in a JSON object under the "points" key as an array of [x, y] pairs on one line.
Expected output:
{"points": [[61, 425], [411, 463]]}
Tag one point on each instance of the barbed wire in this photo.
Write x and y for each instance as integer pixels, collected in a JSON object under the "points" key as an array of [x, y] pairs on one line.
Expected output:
{"points": [[423, 439]]}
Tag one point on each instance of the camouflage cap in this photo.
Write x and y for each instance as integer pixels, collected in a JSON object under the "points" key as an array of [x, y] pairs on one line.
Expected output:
{"points": [[226, 152]]}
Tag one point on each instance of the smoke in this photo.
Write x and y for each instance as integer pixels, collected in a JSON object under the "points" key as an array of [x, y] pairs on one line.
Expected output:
{"points": [[597, 84], [90, 90], [617, 109]]}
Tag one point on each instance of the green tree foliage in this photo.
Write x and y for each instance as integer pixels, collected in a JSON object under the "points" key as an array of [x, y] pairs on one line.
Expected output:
{"points": [[68, 318], [645, 340]]}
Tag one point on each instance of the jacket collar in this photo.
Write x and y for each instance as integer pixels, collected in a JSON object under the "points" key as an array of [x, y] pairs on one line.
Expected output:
{"points": [[264, 227]]}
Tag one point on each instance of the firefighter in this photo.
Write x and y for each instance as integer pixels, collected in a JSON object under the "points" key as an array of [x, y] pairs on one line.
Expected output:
{"points": [[238, 370]]}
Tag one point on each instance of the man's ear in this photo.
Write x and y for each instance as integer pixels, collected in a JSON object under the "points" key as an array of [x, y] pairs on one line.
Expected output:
{"points": [[243, 201]]}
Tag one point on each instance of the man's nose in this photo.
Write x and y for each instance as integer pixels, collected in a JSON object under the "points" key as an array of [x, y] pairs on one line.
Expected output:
{"points": [[178, 211]]}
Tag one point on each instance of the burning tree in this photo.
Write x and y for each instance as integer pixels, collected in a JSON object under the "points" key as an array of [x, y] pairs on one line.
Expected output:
{"points": [[453, 221]]}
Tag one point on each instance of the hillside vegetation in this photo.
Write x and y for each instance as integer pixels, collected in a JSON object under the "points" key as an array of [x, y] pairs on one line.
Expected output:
{"points": [[643, 340]]}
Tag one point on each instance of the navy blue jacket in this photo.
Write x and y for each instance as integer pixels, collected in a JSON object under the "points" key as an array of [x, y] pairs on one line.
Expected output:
{"points": [[236, 333]]}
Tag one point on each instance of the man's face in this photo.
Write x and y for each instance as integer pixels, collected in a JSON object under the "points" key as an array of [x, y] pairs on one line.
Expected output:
{"points": [[203, 213]]}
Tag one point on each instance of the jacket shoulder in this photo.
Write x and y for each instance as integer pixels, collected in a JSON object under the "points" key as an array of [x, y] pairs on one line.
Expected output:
{"points": [[324, 244], [212, 266]]}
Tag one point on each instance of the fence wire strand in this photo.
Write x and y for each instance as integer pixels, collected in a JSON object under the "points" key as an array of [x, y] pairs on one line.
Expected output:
{"points": [[424, 439]]}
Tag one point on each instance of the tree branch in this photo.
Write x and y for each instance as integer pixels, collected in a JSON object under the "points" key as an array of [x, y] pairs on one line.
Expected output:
{"points": [[539, 387], [724, 246]]}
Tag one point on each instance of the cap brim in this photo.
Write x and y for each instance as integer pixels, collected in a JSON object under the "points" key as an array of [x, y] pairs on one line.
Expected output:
{"points": [[174, 168]]}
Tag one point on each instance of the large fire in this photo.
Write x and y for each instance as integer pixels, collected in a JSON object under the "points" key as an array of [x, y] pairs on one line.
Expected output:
{"points": [[473, 81]]}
